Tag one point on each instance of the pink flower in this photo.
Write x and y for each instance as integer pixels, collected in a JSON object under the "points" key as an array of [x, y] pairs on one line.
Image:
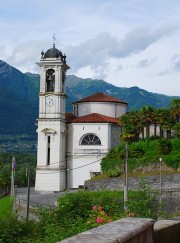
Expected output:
{"points": [[94, 208], [98, 220], [109, 220], [99, 208]]}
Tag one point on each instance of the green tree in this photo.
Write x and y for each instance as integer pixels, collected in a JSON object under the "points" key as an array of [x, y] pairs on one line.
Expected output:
{"points": [[166, 120], [5, 176], [175, 109], [147, 117], [131, 124], [168, 123], [20, 172], [176, 128]]}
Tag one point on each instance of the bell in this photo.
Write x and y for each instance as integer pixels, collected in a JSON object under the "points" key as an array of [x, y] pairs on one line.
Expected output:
{"points": [[50, 78]]}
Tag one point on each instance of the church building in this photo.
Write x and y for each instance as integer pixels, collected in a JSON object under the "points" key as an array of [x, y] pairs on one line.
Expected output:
{"points": [[71, 145]]}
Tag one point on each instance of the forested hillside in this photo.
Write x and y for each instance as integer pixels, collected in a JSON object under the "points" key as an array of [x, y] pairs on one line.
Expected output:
{"points": [[19, 97]]}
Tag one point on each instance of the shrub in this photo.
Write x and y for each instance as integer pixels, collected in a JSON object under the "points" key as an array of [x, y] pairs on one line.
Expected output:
{"points": [[114, 173], [114, 159], [75, 215], [98, 216], [6, 204], [138, 152], [79, 204], [176, 144], [75, 205], [12, 230], [165, 146], [137, 149], [173, 161], [144, 204]]}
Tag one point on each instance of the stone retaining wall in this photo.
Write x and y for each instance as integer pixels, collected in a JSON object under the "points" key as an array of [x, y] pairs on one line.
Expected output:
{"points": [[117, 183], [170, 193]]}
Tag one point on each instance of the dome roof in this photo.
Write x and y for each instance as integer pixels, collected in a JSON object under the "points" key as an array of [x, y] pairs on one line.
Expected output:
{"points": [[100, 97], [53, 53]]}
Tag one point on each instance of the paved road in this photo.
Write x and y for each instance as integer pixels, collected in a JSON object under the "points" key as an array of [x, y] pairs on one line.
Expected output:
{"points": [[48, 199]]}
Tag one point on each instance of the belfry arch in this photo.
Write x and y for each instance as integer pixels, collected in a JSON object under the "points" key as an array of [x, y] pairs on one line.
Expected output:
{"points": [[50, 80]]}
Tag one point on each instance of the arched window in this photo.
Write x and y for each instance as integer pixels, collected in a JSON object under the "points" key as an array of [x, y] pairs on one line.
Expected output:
{"points": [[91, 139], [50, 80]]}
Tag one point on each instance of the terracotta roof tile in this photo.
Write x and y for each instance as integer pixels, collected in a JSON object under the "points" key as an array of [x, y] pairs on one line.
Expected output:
{"points": [[100, 97], [94, 118]]}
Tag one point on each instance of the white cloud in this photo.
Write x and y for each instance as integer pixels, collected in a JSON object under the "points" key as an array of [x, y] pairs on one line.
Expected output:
{"points": [[145, 63], [98, 50], [25, 55], [109, 40]]}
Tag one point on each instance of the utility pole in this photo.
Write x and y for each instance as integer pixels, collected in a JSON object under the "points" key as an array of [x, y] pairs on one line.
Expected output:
{"points": [[126, 177], [13, 176], [28, 192]]}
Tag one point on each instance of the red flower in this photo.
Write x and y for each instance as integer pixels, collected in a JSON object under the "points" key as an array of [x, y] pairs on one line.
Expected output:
{"points": [[94, 208], [98, 220]]}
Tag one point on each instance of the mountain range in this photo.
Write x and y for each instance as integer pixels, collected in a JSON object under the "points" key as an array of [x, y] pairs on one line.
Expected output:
{"points": [[19, 97]]}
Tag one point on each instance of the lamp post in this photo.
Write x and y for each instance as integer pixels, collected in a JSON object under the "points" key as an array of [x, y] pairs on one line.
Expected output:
{"points": [[160, 178]]}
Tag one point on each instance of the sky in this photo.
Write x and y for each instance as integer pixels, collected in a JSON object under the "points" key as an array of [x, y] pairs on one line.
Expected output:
{"points": [[124, 42]]}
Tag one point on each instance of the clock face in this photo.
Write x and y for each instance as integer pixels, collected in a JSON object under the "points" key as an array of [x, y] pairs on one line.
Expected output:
{"points": [[49, 101]]}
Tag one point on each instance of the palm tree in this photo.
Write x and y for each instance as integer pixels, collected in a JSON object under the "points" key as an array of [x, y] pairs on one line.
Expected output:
{"points": [[176, 129], [167, 121], [147, 114], [161, 115], [175, 109], [131, 126]]}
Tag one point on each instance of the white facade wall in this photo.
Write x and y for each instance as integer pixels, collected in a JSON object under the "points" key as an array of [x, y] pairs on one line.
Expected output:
{"points": [[77, 175], [120, 109], [80, 156], [50, 180], [56, 129], [105, 108]]}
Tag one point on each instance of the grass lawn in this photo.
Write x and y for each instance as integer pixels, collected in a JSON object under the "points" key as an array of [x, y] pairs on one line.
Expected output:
{"points": [[5, 207]]}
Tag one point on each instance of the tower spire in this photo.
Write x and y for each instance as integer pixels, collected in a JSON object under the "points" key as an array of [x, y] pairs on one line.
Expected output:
{"points": [[54, 39]]}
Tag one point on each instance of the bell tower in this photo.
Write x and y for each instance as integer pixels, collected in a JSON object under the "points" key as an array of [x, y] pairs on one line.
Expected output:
{"points": [[51, 148]]}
